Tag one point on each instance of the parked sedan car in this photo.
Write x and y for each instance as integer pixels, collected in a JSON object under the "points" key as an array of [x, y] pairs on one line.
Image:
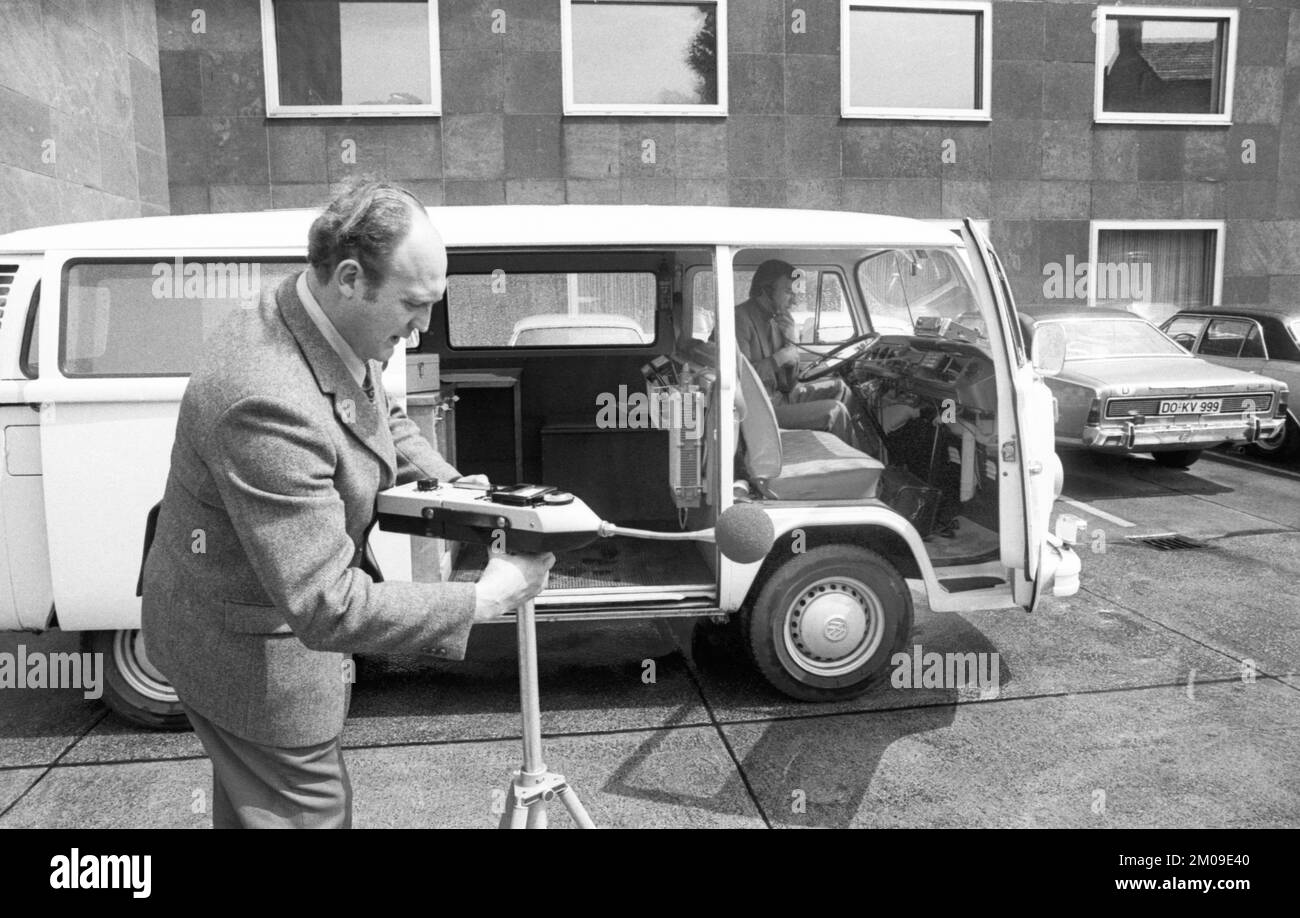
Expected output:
{"points": [[1260, 339], [590, 328], [1126, 387]]}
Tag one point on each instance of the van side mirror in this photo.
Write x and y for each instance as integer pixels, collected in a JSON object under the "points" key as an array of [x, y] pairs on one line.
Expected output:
{"points": [[1048, 351]]}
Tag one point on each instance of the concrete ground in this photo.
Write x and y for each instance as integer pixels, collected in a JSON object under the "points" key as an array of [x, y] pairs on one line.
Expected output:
{"points": [[1123, 706]]}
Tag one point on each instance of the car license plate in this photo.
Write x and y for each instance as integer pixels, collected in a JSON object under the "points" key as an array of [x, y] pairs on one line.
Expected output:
{"points": [[1191, 406]]}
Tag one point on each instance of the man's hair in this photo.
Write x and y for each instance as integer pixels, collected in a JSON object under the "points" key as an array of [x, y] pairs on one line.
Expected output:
{"points": [[768, 273], [366, 222]]}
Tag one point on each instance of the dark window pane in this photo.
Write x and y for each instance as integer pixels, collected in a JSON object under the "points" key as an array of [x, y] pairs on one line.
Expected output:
{"points": [[353, 53], [914, 59], [1173, 66], [529, 310], [1225, 337], [1254, 346], [645, 53]]}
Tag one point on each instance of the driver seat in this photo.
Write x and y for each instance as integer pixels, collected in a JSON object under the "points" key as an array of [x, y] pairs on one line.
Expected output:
{"points": [[797, 464]]}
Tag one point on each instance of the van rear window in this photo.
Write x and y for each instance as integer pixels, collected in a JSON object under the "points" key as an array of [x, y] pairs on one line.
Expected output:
{"points": [[562, 309], [151, 317]]}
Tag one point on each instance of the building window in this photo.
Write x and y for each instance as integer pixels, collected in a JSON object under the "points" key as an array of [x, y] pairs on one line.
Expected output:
{"points": [[644, 58], [330, 59], [915, 59], [1165, 65], [1156, 268]]}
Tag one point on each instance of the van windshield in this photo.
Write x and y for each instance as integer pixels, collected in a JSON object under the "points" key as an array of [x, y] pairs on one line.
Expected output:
{"points": [[920, 291]]}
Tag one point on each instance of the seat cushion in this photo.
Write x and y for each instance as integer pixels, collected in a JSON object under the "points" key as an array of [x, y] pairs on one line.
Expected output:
{"points": [[820, 466]]}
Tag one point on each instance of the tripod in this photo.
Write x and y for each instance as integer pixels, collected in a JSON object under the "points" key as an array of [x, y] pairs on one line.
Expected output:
{"points": [[533, 786]]}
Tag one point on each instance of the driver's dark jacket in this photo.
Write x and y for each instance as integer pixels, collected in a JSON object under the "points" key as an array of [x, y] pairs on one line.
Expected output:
{"points": [[759, 335]]}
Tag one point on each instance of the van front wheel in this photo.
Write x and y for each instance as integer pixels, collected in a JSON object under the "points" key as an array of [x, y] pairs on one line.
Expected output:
{"points": [[826, 624], [133, 688]]}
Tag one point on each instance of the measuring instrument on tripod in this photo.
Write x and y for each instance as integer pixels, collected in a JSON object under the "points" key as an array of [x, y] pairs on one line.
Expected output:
{"points": [[533, 519]]}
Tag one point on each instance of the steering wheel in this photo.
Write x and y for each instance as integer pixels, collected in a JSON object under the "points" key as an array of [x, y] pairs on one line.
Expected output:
{"points": [[836, 357]]}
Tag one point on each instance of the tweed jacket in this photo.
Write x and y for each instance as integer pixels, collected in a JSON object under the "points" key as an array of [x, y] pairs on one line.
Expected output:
{"points": [[252, 589]]}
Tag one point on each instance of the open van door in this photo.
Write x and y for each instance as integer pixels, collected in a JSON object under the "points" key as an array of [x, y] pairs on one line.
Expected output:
{"points": [[1029, 549]]}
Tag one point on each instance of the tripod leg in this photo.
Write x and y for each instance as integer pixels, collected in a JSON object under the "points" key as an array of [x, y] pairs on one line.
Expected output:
{"points": [[571, 803], [537, 815]]}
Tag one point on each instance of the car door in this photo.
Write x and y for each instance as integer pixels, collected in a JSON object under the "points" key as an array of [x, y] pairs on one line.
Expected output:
{"points": [[1028, 469], [1233, 342]]}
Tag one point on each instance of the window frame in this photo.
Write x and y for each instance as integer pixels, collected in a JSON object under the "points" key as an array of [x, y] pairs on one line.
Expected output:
{"points": [[271, 77], [639, 109], [985, 55], [1254, 327], [1211, 14], [1097, 227]]}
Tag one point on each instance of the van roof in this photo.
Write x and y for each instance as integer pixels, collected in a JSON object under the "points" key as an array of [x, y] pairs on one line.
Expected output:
{"points": [[501, 225]]}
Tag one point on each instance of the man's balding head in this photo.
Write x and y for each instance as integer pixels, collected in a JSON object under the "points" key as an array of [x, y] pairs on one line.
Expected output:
{"points": [[365, 223]]}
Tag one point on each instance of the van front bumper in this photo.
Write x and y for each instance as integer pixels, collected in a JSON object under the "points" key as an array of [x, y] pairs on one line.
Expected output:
{"points": [[1131, 437]]}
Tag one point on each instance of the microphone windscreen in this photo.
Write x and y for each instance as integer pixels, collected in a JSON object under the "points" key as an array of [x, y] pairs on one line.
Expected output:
{"points": [[744, 533]]}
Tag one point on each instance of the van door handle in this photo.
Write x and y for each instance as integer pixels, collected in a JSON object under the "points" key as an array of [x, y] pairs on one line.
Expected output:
{"points": [[1035, 467]]}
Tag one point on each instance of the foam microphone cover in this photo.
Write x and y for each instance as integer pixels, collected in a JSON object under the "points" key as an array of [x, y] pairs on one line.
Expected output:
{"points": [[744, 533]]}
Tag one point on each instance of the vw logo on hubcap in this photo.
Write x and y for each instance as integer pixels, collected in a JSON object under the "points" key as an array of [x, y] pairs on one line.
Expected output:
{"points": [[837, 629]]}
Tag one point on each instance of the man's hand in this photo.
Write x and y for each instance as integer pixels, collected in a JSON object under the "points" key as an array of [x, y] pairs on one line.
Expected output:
{"points": [[786, 356], [475, 480], [508, 582]]}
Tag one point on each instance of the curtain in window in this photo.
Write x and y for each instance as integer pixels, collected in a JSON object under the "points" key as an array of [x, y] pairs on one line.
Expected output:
{"points": [[1155, 273]]}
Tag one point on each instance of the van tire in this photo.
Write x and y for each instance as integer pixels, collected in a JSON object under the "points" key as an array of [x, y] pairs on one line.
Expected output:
{"points": [[827, 622], [133, 688]]}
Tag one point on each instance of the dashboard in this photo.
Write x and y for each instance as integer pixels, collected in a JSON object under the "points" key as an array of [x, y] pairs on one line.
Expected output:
{"points": [[933, 368]]}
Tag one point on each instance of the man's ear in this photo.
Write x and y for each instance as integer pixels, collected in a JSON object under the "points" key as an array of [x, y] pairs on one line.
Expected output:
{"points": [[348, 277]]}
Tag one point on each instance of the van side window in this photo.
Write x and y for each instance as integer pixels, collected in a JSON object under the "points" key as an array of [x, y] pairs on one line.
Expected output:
{"points": [[151, 317], [29, 362], [820, 310], [560, 309]]}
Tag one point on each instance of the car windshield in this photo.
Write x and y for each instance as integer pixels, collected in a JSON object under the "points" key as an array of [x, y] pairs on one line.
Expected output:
{"points": [[1294, 328], [1088, 338]]}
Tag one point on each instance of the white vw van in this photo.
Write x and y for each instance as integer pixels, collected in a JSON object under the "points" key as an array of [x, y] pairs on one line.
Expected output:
{"points": [[627, 390]]}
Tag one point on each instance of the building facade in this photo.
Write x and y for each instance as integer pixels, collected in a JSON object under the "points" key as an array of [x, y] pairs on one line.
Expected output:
{"points": [[81, 120], [1144, 155]]}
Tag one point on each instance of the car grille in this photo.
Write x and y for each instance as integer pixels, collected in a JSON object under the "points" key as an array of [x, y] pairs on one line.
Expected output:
{"points": [[1145, 407]]}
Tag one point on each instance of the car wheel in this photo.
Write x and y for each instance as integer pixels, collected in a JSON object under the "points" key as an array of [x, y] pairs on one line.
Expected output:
{"points": [[1178, 458], [826, 624], [1282, 448], [133, 688]]}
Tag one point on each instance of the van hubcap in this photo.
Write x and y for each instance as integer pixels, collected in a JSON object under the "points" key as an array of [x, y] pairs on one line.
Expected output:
{"points": [[834, 626], [132, 661]]}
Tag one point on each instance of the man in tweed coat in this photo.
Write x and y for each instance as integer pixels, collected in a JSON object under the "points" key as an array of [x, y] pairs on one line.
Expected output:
{"points": [[253, 590]]}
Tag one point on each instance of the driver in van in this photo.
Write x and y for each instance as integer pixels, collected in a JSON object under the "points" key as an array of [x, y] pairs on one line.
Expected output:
{"points": [[765, 332], [257, 585]]}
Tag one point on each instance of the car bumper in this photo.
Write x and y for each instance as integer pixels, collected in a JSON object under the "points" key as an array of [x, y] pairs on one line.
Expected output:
{"points": [[1128, 437]]}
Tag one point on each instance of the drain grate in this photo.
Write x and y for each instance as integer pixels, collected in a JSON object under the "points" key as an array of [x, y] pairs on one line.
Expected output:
{"points": [[1167, 541]]}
